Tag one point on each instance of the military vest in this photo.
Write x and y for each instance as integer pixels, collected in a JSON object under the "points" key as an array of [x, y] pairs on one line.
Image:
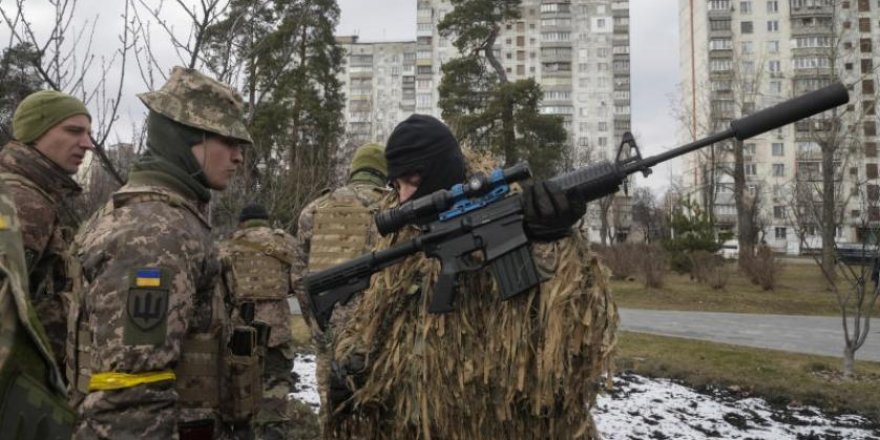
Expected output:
{"points": [[261, 271], [32, 393], [343, 224], [202, 367]]}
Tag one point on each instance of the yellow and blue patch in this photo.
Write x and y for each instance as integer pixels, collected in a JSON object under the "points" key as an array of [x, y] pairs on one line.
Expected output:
{"points": [[148, 278]]}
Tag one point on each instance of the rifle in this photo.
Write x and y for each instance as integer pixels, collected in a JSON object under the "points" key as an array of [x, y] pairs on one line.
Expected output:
{"points": [[482, 215]]}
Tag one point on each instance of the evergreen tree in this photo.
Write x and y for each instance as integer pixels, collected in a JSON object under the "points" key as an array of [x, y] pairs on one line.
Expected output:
{"points": [[483, 107], [285, 57], [19, 80], [692, 230]]}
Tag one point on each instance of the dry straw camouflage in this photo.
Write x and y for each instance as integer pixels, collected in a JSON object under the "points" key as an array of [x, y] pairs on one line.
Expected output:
{"points": [[193, 99]]}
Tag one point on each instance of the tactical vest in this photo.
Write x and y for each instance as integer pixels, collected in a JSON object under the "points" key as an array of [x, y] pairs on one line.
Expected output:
{"points": [[202, 374], [341, 231], [261, 271], [32, 394]]}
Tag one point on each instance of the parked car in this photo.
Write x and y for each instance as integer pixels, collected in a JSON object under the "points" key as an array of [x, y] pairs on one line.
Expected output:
{"points": [[729, 250]]}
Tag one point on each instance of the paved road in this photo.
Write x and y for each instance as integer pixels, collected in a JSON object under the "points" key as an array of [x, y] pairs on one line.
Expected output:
{"points": [[803, 334]]}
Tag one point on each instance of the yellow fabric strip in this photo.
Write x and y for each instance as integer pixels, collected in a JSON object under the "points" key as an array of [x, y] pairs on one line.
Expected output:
{"points": [[115, 381]]}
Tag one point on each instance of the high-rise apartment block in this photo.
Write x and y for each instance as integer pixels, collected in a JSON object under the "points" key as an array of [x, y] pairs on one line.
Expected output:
{"points": [[578, 50], [738, 56], [379, 84]]}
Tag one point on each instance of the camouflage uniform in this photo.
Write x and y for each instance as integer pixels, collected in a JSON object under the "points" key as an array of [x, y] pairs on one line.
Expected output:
{"points": [[257, 262], [42, 192], [346, 230], [32, 395], [149, 334]]}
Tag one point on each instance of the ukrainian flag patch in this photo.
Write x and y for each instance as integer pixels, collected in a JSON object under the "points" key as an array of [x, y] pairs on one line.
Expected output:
{"points": [[148, 277]]}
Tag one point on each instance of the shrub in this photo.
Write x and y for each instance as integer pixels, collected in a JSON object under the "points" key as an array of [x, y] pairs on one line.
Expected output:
{"points": [[764, 268], [621, 258], [653, 262], [711, 269]]}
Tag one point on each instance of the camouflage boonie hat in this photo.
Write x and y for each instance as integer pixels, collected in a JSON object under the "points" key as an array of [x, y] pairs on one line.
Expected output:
{"points": [[193, 99]]}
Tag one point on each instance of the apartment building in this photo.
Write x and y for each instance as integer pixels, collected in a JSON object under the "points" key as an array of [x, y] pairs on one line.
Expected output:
{"points": [[578, 50], [738, 56], [379, 85]]}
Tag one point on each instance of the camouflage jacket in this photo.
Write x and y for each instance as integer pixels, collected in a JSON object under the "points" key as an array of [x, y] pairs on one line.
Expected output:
{"points": [[151, 272], [27, 364], [369, 195], [41, 192], [241, 255]]}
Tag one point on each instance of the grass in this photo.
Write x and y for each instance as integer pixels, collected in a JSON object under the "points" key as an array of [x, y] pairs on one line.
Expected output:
{"points": [[780, 377], [801, 291]]}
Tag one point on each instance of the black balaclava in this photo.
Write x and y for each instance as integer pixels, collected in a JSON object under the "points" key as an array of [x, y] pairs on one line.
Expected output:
{"points": [[425, 146], [169, 153]]}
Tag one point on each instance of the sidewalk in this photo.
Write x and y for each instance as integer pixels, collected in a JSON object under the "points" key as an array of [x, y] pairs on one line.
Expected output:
{"points": [[802, 334]]}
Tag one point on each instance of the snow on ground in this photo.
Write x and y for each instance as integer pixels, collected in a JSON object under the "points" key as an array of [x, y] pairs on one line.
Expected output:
{"points": [[659, 409]]}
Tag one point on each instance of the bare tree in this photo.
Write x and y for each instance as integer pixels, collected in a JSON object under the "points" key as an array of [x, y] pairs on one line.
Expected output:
{"points": [[67, 62]]}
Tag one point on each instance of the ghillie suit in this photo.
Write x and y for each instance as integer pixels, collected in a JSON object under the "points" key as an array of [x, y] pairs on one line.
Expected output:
{"points": [[527, 368]]}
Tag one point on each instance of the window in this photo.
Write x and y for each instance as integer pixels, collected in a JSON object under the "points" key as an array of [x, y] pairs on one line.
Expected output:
{"points": [[864, 25], [745, 7], [773, 26], [871, 170], [778, 170], [772, 6], [774, 66], [745, 27], [870, 149], [778, 149], [867, 65], [719, 5], [775, 86], [750, 169], [773, 46], [779, 212], [780, 233], [721, 24], [865, 45], [747, 47], [720, 44]]}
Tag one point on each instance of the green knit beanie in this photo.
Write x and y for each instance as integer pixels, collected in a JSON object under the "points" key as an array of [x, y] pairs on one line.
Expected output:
{"points": [[41, 111], [370, 157]]}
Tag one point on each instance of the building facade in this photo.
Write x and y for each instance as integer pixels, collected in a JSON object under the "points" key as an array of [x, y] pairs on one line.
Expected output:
{"points": [[739, 56]]}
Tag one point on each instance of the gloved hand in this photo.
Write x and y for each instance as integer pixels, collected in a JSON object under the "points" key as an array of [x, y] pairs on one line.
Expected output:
{"points": [[339, 391], [549, 214]]}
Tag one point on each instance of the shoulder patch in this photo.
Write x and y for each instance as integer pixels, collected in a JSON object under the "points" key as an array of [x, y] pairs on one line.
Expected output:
{"points": [[146, 309]]}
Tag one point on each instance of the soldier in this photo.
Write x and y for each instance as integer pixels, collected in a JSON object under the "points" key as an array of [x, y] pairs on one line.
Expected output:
{"points": [[149, 336], [334, 228], [523, 368], [33, 398], [52, 135], [257, 261]]}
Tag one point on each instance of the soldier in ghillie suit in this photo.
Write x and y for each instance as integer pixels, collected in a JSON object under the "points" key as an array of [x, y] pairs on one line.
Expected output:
{"points": [[33, 398], [257, 265], [334, 228], [149, 335], [526, 368], [52, 136]]}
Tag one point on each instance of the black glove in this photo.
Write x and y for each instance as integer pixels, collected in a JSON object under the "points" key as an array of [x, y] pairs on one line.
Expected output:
{"points": [[549, 213], [339, 392]]}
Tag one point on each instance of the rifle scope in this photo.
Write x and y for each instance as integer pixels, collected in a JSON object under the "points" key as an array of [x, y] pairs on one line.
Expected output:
{"points": [[431, 205]]}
